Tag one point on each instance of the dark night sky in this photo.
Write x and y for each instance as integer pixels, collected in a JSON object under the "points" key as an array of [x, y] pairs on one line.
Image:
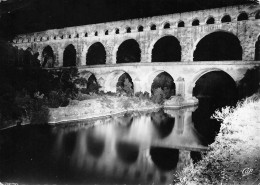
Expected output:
{"points": [[37, 15]]}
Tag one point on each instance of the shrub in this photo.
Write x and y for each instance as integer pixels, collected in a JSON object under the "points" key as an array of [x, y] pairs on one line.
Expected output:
{"points": [[128, 87], [126, 104], [143, 96], [158, 96], [57, 99], [38, 109]]}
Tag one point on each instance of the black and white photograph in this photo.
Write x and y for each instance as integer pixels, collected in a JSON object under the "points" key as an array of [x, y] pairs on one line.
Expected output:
{"points": [[129, 92]]}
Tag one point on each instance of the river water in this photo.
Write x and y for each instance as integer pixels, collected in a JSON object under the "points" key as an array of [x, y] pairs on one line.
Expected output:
{"points": [[136, 148]]}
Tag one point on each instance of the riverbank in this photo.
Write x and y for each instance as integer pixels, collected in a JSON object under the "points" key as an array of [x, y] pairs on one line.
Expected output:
{"points": [[100, 107], [234, 156]]}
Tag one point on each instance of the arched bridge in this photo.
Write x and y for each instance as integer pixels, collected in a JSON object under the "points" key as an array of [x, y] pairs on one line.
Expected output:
{"points": [[185, 45]]}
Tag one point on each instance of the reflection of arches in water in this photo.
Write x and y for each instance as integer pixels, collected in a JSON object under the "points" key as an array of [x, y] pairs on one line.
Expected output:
{"points": [[69, 142], [163, 123], [164, 158], [95, 145], [127, 152]]}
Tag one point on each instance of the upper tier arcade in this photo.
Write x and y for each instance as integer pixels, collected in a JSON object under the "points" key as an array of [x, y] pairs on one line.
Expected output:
{"points": [[190, 36]]}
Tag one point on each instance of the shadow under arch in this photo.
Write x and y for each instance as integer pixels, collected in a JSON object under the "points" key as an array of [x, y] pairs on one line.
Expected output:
{"points": [[166, 159], [87, 82], [164, 81], [214, 89], [69, 56], [112, 80], [219, 45], [128, 52], [96, 54], [48, 58], [215, 84], [166, 49]]}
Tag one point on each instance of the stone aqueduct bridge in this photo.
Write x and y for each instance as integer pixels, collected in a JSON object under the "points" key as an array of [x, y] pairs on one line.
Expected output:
{"points": [[131, 45]]}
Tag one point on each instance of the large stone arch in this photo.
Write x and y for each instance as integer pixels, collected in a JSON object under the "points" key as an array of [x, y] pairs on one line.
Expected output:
{"points": [[165, 49], [90, 81], [128, 51], [202, 54], [147, 83], [203, 72], [112, 80], [96, 54], [200, 73], [69, 56]]}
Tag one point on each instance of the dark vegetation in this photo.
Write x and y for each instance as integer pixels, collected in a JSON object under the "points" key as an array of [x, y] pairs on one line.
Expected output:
{"points": [[27, 90]]}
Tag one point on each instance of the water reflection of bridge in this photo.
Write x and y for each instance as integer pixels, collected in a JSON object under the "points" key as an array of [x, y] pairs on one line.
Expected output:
{"points": [[146, 147]]}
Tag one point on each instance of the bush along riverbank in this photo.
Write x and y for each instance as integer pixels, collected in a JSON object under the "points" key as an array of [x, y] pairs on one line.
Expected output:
{"points": [[99, 106], [234, 156]]}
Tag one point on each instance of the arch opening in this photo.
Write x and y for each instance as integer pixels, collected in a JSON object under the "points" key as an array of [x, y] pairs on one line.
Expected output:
{"points": [[217, 85], [242, 16], [166, 25], [153, 27], [69, 56], [128, 52], [181, 24], [218, 46], [96, 54], [210, 20], [257, 49], [165, 82], [226, 18], [140, 28], [195, 22], [166, 49], [214, 89], [164, 158], [48, 57], [88, 83], [125, 84], [128, 30], [117, 31]]}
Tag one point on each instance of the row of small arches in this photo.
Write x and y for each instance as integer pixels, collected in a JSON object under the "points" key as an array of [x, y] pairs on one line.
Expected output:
{"points": [[211, 20]]}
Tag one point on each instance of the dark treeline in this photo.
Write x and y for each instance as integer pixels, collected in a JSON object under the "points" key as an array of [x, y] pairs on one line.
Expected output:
{"points": [[41, 15]]}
